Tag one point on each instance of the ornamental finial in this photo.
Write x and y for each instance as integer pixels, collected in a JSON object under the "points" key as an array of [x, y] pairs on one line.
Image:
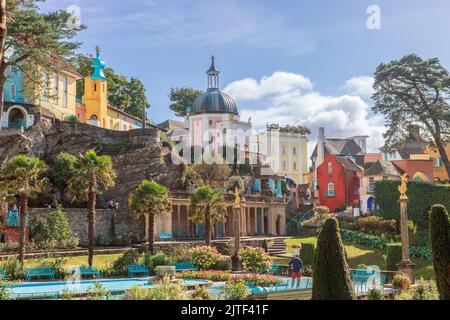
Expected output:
{"points": [[404, 185], [97, 48]]}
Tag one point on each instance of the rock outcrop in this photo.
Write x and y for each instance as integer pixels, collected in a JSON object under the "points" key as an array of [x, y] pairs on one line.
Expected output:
{"points": [[136, 154]]}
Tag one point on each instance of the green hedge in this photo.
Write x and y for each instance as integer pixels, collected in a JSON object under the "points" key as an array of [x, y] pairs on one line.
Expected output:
{"points": [[393, 255], [376, 242], [307, 253], [422, 196]]}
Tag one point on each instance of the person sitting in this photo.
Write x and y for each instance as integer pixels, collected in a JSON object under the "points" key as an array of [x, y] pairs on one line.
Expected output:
{"points": [[111, 205]]}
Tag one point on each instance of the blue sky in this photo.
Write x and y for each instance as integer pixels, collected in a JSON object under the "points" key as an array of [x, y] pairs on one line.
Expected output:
{"points": [[295, 55]]}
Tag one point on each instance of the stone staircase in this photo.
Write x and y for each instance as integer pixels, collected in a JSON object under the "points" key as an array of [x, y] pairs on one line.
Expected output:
{"points": [[278, 247]]}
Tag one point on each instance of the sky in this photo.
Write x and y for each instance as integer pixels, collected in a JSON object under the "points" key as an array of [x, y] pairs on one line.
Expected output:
{"points": [[286, 61]]}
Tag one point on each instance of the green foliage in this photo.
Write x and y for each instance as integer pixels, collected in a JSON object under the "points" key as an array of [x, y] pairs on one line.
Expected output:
{"points": [[153, 261], [4, 291], [223, 264], [54, 231], [149, 196], [164, 290], [393, 256], [255, 259], [205, 257], [179, 252], [307, 253], [13, 268], [307, 270], [98, 292], [211, 275], [120, 265], [374, 225], [235, 290], [57, 264], [401, 282], [376, 294], [412, 91], [331, 271], [201, 293], [182, 98], [387, 195], [265, 246], [440, 242], [61, 171], [73, 118]]}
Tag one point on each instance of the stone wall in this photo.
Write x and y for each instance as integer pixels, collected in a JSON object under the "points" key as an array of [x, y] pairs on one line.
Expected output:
{"points": [[78, 222]]}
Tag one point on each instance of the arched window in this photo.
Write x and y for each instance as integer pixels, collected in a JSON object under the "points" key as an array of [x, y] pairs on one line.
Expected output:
{"points": [[330, 168], [13, 92]]}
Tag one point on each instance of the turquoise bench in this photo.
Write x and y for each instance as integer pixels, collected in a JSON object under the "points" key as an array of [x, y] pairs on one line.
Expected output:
{"points": [[89, 271], [137, 269], [165, 236], [183, 266], [2, 274], [275, 269], [39, 272]]}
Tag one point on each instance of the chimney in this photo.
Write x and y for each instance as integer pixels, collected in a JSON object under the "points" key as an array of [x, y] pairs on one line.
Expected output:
{"points": [[414, 132], [320, 147]]}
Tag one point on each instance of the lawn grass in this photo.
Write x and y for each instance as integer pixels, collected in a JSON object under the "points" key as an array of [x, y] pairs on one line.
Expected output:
{"points": [[100, 261], [360, 255]]}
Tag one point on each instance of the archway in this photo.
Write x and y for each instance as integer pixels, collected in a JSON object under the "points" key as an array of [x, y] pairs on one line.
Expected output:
{"points": [[278, 226], [17, 118], [370, 205]]}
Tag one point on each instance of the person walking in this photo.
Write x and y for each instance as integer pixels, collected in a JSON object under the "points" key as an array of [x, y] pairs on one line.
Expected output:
{"points": [[296, 265]]}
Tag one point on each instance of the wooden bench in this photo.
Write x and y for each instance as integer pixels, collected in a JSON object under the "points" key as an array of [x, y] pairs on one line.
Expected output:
{"points": [[183, 266], [39, 272], [89, 271], [137, 269]]}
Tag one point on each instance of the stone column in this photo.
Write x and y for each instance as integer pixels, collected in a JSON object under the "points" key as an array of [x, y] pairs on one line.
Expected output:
{"points": [[237, 238], [256, 220], [263, 212], [405, 266]]}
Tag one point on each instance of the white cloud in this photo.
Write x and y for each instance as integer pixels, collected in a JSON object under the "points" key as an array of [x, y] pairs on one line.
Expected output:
{"points": [[360, 86], [287, 98]]}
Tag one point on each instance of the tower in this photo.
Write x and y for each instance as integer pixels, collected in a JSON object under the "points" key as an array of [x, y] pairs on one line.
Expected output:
{"points": [[95, 96]]}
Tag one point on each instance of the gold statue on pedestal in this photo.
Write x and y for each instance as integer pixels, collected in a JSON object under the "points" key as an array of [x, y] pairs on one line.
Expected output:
{"points": [[404, 186], [237, 198]]}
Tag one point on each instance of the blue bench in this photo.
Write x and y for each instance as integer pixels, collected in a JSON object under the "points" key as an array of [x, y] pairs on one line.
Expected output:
{"points": [[165, 236], [2, 274], [89, 271], [39, 272], [137, 269], [183, 266]]}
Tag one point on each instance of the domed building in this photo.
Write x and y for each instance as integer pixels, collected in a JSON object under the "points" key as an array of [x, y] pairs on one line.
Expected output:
{"points": [[213, 120]]}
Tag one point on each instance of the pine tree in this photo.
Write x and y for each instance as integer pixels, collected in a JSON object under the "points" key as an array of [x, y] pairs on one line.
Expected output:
{"points": [[331, 276], [440, 243]]}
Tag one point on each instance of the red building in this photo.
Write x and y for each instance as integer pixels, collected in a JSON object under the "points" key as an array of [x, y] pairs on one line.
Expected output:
{"points": [[338, 180]]}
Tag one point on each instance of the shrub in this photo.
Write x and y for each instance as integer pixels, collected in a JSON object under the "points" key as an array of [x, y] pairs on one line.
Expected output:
{"points": [[374, 225], [235, 290], [440, 241], [401, 282], [179, 253], [13, 268], [258, 279], [321, 210], [120, 265], [164, 290], [223, 264], [4, 291], [152, 261], [376, 294], [255, 259], [72, 118], [331, 272], [307, 270], [201, 293], [426, 291], [98, 292], [226, 248], [54, 231], [265, 246], [307, 253], [393, 255], [216, 276], [205, 257]]}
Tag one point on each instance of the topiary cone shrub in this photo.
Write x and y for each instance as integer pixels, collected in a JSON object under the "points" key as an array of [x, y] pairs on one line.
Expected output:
{"points": [[393, 255], [307, 253], [440, 245], [331, 275]]}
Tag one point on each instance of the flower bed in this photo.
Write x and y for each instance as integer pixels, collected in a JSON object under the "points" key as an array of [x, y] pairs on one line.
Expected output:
{"points": [[205, 275]]}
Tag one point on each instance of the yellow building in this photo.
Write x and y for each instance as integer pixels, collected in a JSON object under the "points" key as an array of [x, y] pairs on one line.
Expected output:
{"points": [[432, 153], [285, 150]]}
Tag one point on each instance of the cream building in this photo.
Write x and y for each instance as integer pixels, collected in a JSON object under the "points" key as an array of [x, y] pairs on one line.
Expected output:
{"points": [[285, 150]]}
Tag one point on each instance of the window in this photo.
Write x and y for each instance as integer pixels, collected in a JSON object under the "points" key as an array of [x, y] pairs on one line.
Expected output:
{"points": [[330, 168], [95, 87], [385, 178], [294, 151], [46, 86], [294, 165], [210, 122], [371, 185], [13, 92], [330, 191], [55, 88], [64, 96], [284, 165]]}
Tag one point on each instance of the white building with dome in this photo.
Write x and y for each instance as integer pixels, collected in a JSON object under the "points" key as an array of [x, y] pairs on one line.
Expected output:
{"points": [[214, 119]]}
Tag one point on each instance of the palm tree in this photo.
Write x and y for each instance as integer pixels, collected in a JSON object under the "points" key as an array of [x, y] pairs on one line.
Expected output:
{"points": [[150, 198], [207, 205], [23, 177], [92, 174]]}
